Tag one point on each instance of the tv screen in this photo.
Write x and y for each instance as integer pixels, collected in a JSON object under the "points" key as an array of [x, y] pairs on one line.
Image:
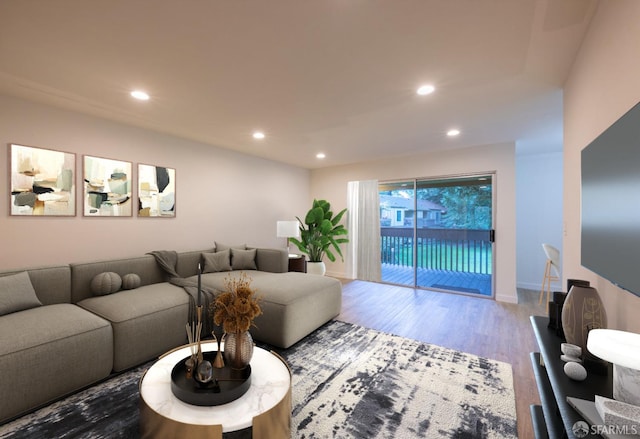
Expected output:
{"points": [[611, 203]]}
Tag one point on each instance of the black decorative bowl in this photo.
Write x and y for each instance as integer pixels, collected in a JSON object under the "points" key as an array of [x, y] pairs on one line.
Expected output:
{"points": [[231, 384]]}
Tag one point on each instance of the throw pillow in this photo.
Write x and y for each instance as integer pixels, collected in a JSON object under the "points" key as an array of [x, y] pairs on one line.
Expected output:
{"points": [[215, 262], [17, 293], [222, 247], [243, 259], [105, 283], [130, 281]]}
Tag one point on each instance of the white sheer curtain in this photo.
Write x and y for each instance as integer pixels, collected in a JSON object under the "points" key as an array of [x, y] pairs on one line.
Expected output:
{"points": [[363, 250]]}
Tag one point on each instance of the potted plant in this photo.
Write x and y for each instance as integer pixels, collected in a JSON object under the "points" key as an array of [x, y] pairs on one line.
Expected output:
{"points": [[321, 234]]}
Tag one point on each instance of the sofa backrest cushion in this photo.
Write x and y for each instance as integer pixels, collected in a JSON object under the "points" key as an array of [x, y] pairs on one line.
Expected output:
{"points": [[51, 284], [219, 246], [216, 262], [243, 259], [274, 260], [83, 273], [188, 262], [17, 293]]}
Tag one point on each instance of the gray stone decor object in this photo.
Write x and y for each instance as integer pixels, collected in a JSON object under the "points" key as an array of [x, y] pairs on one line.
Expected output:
{"points": [[567, 358], [618, 413], [575, 371], [571, 350]]}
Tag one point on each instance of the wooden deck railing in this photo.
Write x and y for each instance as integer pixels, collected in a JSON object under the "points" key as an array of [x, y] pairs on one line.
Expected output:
{"points": [[466, 251]]}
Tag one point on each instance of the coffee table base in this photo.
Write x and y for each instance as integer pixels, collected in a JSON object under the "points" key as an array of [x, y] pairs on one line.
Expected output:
{"points": [[275, 423]]}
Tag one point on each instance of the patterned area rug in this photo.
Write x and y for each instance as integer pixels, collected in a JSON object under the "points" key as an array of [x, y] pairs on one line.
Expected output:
{"points": [[349, 382]]}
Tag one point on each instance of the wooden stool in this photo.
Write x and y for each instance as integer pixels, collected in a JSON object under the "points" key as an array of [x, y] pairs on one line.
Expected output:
{"points": [[551, 272]]}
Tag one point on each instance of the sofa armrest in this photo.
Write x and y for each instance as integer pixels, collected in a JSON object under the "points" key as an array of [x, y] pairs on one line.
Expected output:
{"points": [[274, 260]]}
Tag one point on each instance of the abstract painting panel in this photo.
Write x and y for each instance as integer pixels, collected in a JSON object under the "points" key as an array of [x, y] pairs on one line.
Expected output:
{"points": [[42, 182], [156, 191], [107, 187]]}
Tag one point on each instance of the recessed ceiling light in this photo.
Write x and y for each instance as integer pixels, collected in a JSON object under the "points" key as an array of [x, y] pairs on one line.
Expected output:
{"points": [[320, 155], [425, 90], [258, 135], [453, 133], [140, 95]]}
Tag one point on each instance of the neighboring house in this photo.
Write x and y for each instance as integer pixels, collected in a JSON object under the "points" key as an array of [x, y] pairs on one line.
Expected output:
{"points": [[401, 212]]}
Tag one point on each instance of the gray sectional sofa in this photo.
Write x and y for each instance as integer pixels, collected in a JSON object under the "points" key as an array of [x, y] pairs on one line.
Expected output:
{"points": [[58, 334]]}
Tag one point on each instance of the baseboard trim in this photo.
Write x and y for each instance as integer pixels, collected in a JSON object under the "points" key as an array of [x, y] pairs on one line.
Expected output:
{"points": [[506, 299], [555, 286], [336, 274], [529, 285]]}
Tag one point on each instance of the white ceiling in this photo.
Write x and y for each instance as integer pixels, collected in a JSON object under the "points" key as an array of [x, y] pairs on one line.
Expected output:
{"points": [[337, 76]]}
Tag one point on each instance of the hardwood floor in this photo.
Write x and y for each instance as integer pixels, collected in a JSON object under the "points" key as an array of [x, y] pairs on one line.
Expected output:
{"points": [[483, 327]]}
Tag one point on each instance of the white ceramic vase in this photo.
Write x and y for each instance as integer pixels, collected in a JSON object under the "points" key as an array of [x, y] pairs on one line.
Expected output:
{"points": [[316, 268]]}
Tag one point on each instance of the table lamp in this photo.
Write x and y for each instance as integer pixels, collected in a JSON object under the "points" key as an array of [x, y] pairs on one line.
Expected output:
{"points": [[623, 350], [288, 229]]}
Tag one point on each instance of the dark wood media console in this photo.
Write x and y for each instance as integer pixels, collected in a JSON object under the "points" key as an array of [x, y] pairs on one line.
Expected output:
{"points": [[554, 418]]}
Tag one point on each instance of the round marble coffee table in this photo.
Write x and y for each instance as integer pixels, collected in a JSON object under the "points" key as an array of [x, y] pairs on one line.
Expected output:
{"points": [[263, 412]]}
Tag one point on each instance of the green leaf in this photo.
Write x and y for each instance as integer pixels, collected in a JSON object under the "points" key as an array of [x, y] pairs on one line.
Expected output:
{"points": [[314, 216], [338, 217]]}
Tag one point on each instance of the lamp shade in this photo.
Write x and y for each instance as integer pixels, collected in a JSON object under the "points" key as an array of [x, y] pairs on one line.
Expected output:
{"points": [[288, 229], [617, 347], [623, 350]]}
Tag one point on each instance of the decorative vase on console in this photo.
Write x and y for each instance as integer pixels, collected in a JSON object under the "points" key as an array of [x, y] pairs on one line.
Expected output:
{"points": [[582, 311]]}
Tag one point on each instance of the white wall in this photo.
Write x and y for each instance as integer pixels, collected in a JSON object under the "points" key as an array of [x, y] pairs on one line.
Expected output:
{"points": [[602, 85], [538, 215], [331, 184], [221, 195]]}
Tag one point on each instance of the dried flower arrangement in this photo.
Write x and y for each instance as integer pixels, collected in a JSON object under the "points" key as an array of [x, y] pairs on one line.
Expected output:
{"points": [[237, 306]]}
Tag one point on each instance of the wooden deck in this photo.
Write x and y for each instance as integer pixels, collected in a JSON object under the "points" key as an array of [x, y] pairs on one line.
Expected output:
{"points": [[468, 283]]}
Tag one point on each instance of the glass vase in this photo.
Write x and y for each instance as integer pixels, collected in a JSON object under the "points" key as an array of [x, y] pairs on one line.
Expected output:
{"points": [[238, 349]]}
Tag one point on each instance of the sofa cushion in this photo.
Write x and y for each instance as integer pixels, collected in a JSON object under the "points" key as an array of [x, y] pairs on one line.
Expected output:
{"points": [[188, 262], [218, 281], [243, 259], [49, 351], [130, 281], [147, 321], [216, 262], [293, 304], [17, 293], [106, 283], [221, 247]]}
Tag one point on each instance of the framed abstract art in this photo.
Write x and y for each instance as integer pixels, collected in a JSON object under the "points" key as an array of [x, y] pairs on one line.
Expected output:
{"points": [[42, 182], [156, 191], [107, 187]]}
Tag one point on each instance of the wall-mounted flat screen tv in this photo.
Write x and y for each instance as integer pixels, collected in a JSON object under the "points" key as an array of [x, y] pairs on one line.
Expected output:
{"points": [[611, 203]]}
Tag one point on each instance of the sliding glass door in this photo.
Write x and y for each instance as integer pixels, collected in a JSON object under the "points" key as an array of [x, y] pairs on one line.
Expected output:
{"points": [[397, 232], [438, 233]]}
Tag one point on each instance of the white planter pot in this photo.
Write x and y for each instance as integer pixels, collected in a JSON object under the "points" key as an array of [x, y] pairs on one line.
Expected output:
{"points": [[316, 268]]}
